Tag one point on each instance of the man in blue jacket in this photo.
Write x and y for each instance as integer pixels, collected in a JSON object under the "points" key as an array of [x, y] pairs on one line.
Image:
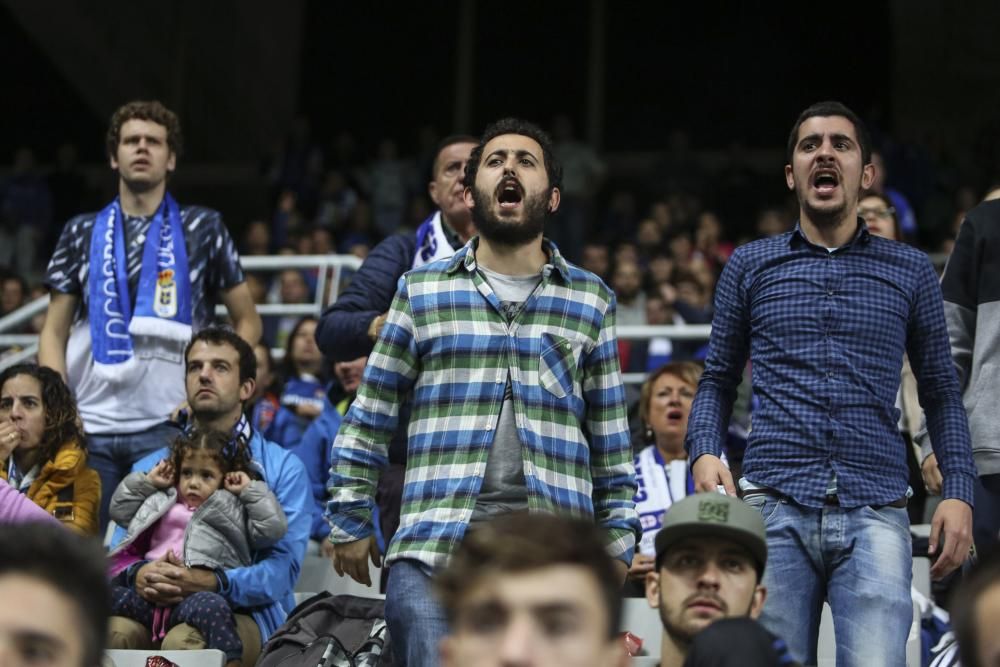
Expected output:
{"points": [[220, 372]]}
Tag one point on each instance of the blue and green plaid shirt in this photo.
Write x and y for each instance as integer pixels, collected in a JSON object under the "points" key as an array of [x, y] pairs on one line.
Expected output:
{"points": [[447, 341]]}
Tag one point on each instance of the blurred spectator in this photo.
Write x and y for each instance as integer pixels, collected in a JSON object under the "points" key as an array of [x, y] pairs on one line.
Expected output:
{"points": [[290, 288], [13, 293], [337, 200], [256, 239], [532, 590], [389, 183], [297, 167], [583, 176], [596, 259], [710, 241], [303, 374], [880, 185], [626, 281], [257, 284], [263, 405], [55, 595], [648, 238], [25, 214], [70, 191], [771, 222], [660, 268]]}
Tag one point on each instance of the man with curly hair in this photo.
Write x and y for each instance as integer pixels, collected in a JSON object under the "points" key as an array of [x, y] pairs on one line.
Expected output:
{"points": [[128, 285]]}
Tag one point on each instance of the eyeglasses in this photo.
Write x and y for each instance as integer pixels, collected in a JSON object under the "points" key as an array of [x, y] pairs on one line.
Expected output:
{"points": [[883, 213]]}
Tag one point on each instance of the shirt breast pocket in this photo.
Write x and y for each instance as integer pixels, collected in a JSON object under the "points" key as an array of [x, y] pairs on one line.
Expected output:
{"points": [[557, 365]]}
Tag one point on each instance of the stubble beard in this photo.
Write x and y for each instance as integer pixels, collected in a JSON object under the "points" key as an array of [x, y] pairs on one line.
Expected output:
{"points": [[496, 230]]}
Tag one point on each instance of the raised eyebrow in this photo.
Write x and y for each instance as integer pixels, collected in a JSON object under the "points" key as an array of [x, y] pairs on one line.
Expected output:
{"points": [[842, 137]]}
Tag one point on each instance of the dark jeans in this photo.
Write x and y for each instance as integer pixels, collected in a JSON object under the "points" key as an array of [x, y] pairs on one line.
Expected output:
{"points": [[112, 455], [986, 515]]}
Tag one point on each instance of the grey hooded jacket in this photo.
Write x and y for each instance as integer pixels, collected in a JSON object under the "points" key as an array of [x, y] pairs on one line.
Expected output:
{"points": [[222, 532]]}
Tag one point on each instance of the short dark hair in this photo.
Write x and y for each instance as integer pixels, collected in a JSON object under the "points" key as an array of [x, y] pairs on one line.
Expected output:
{"points": [[151, 110], [831, 108], [553, 169], [71, 564], [520, 542], [981, 578], [62, 419], [225, 336]]}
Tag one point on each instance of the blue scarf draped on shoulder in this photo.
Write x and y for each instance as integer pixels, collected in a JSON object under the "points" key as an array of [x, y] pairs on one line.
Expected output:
{"points": [[163, 299]]}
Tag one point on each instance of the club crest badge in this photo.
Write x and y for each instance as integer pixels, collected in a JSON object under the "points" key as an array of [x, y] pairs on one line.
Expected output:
{"points": [[165, 299]]}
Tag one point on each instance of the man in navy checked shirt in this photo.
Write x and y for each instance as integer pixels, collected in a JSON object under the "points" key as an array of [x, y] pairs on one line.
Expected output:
{"points": [[825, 313]]}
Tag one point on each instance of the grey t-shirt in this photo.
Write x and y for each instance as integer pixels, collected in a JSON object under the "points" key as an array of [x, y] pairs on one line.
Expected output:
{"points": [[503, 487]]}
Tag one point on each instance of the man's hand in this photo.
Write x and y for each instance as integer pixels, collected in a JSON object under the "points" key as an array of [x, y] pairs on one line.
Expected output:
{"points": [[375, 328], [351, 558], [641, 565], [932, 475], [162, 475], [166, 581], [621, 569], [235, 482], [176, 415], [951, 536], [709, 472]]}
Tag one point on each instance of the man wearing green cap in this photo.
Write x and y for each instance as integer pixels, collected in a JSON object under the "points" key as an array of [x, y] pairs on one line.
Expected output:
{"points": [[710, 555]]}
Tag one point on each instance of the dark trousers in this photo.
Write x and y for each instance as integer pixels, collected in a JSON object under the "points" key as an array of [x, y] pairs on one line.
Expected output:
{"points": [[986, 515], [208, 612]]}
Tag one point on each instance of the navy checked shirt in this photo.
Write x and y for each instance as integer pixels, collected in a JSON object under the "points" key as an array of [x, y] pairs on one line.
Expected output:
{"points": [[825, 333]]}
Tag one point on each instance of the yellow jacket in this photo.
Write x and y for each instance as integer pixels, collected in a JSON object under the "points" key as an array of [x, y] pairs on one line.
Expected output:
{"points": [[67, 489]]}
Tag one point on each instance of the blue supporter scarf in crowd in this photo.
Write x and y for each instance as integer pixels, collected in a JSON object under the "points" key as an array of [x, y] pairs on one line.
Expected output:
{"points": [[163, 299]]}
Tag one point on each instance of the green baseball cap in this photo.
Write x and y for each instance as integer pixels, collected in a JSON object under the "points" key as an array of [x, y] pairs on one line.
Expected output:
{"points": [[713, 515]]}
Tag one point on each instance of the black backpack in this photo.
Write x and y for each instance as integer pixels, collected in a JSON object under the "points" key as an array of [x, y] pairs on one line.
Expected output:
{"points": [[331, 631]]}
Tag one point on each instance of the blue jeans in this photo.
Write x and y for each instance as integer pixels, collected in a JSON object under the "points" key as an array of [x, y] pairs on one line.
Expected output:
{"points": [[859, 560], [112, 455], [415, 617]]}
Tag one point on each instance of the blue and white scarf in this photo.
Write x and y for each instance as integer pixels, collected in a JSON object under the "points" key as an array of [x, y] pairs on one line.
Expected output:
{"points": [[432, 242], [163, 299], [659, 486]]}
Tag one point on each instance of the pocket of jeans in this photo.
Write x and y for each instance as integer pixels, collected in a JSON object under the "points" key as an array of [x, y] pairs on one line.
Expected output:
{"points": [[764, 503]]}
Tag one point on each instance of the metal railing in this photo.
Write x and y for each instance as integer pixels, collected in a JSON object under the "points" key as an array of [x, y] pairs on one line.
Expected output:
{"points": [[330, 279]]}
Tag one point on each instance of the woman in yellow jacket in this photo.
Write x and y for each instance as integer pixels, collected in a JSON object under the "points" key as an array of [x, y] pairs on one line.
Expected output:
{"points": [[42, 447]]}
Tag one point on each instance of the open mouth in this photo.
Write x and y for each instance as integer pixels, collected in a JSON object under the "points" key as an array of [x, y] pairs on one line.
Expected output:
{"points": [[509, 195], [825, 181], [674, 415]]}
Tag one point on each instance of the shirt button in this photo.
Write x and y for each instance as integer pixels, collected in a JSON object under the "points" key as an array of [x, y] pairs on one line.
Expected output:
{"points": [[829, 292]]}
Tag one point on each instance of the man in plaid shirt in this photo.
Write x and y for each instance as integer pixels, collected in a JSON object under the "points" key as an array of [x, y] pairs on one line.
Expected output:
{"points": [[510, 356]]}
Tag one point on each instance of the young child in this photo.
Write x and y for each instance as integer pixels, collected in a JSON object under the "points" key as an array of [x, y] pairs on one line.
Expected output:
{"points": [[199, 508]]}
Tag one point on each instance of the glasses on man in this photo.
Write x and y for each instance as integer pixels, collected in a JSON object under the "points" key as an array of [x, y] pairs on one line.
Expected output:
{"points": [[881, 213]]}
